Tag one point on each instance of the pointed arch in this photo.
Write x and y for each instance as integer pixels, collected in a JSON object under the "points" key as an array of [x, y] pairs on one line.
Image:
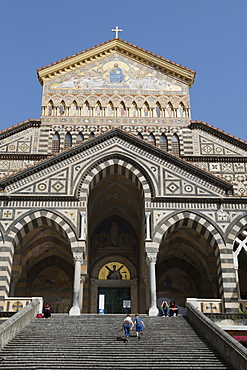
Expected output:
{"points": [[55, 146], [116, 164], [181, 110], [86, 109], [50, 108], [110, 109], [122, 109], [151, 139], [68, 141], [98, 108], [201, 224], [163, 142], [91, 135], [140, 135], [79, 138], [74, 108], [175, 145], [62, 108], [169, 111], [158, 109], [134, 110], [145, 109]]}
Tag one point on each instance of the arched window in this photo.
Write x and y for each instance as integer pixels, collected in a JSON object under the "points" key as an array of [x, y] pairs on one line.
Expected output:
{"points": [[50, 108], [80, 138], [175, 145], [133, 110], [86, 109], [98, 109], [110, 109], [157, 109], [151, 139], [122, 109], [181, 110], [169, 110], [61, 108], [68, 141], [145, 109], [55, 143], [74, 108], [163, 142], [140, 135], [91, 135]]}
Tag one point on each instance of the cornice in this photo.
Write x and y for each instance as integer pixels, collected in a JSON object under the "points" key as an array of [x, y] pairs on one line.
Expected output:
{"points": [[130, 138], [216, 158], [19, 127], [231, 199], [112, 46], [24, 156], [30, 197]]}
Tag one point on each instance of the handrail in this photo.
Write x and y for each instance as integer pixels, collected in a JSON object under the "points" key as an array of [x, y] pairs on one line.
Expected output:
{"points": [[232, 351], [11, 327]]}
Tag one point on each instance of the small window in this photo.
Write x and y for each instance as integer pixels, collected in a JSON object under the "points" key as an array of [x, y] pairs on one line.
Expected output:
{"points": [[175, 145], [151, 139], [68, 141], [80, 138], [55, 143], [163, 142]]}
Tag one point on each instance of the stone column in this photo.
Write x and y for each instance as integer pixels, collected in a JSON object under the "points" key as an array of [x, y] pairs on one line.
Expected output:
{"points": [[82, 281], [151, 259], [148, 225], [82, 225], [146, 282], [75, 309]]}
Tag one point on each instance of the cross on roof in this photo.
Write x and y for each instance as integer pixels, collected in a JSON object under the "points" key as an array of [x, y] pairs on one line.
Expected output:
{"points": [[116, 30]]}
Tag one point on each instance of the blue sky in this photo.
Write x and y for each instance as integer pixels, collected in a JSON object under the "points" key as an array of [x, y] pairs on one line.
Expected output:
{"points": [[207, 36]]}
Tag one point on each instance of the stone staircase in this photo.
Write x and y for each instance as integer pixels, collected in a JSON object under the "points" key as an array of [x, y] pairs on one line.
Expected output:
{"points": [[90, 342]]}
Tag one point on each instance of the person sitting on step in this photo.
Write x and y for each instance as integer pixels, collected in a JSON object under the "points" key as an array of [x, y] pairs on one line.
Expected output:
{"points": [[173, 309]]}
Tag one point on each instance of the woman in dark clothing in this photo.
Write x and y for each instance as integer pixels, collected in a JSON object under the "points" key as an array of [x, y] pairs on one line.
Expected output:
{"points": [[173, 310], [47, 310]]}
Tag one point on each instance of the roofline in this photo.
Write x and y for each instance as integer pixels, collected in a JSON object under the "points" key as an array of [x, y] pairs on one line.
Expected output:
{"points": [[19, 127], [122, 134], [220, 133], [84, 57]]}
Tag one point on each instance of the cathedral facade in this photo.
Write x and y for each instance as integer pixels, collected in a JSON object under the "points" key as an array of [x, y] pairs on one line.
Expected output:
{"points": [[115, 199]]}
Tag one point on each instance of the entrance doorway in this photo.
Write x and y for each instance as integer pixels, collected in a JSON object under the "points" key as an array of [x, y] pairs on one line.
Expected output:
{"points": [[114, 298]]}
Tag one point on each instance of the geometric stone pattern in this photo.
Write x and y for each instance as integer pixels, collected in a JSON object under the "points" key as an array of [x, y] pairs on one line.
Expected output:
{"points": [[179, 192]]}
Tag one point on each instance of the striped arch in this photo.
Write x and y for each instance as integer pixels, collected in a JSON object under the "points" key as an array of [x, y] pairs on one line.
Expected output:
{"points": [[234, 229], [38, 218], [116, 164], [203, 227]]}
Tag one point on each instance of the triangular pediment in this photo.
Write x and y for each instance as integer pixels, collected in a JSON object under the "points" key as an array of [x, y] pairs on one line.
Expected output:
{"points": [[109, 50], [61, 174]]}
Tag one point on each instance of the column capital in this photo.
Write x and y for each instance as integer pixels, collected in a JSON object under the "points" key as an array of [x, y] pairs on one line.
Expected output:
{"points": [[78, 257], [151, 257]]}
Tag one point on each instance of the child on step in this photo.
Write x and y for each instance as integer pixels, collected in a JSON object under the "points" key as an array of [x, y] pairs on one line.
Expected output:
{"points": [[139, 325]]}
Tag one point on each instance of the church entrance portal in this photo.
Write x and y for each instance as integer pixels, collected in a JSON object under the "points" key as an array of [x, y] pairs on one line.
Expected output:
{"points": [[115, 299], [116, 239]]}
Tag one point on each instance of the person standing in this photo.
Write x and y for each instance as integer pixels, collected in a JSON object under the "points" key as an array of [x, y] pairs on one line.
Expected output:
{"points": [[139, 325], [127, 326]]}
